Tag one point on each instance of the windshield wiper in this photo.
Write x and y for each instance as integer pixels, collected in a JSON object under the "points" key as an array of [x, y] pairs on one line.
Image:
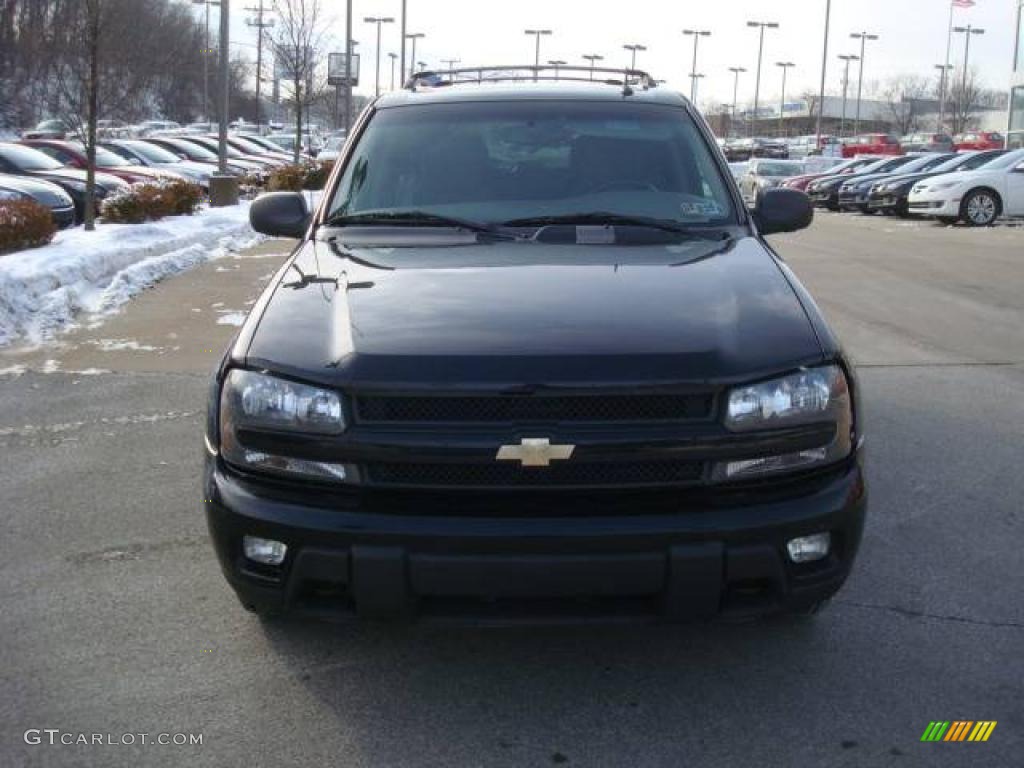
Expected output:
{"points": [[602, 217], [415, 219]]}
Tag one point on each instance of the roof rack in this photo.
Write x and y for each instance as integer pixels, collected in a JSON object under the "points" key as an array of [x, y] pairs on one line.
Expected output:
{"points": [[624, 78]]}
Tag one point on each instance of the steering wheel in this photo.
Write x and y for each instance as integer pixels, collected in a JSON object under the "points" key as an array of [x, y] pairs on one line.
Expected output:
{"points": [[625, 185]]}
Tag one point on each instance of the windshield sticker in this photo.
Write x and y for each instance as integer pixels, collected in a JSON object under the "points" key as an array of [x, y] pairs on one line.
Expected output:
{"points": [[705, 208]]}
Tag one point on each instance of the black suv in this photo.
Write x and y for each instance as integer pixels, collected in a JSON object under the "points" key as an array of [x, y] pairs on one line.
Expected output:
{"points": [[533, 358]]}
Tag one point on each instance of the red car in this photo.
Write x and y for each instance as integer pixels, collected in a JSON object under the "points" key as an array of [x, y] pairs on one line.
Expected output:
{"points": [[979, 140], [872, 144], [72, 155]]}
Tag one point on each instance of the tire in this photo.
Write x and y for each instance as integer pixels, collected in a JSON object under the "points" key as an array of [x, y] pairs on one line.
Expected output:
{"points": [[980, 208]]}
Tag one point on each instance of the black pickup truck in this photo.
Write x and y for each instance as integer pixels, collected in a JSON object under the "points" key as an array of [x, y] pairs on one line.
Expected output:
{"points": [[532, 359]]}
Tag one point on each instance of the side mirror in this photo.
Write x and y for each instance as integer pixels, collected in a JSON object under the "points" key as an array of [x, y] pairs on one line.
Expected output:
{"points": [[782, 210], [280, 214]]}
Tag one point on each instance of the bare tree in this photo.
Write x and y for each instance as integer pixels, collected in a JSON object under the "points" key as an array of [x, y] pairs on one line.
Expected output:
{"points": [[904, 97], [964, 97], [298, 45], [810, 98]]}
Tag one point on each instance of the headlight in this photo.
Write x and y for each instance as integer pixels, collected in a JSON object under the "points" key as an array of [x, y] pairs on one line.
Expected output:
{"points": [[259, 402], [813, 396], [944, 185]]}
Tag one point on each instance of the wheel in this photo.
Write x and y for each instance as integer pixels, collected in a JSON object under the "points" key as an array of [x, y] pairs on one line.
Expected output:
{"points": [[980, 208]]}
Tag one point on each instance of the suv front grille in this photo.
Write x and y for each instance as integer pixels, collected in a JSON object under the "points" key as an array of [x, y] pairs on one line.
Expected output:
{"points": [[496, 409], [558, 474]]}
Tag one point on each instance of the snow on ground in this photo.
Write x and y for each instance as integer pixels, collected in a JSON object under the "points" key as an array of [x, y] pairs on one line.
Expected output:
{"points": [[231, 318], [42, 289]]}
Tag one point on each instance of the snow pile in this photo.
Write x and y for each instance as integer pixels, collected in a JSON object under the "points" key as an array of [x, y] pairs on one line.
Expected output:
{"points": [[42, 289]]}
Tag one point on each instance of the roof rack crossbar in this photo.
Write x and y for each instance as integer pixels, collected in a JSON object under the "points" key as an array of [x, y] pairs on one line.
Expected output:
{"points": [[625, 77]]}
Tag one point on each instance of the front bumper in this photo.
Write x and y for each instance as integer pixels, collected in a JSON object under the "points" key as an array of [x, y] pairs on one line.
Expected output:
{"points": [[727, 559], [852, 200], [938, 206], [826, 199]]}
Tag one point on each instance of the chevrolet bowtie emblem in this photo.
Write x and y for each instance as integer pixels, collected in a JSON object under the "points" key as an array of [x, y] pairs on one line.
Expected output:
{"points": [[534, 452]]}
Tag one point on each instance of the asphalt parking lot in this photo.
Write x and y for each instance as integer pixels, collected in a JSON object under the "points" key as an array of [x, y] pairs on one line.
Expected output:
{"points": [[115, 619]]}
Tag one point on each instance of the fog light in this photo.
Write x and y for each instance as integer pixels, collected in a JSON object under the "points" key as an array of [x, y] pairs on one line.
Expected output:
{"points": [[266, 551], [807, 549]]}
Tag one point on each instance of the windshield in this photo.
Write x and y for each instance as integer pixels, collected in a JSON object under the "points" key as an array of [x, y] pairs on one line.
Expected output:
{"points": [[193, 151], [1006, 161], [104, 157], [152, 153], [248, 146], [213, 146], [495, 162], [779, 169], [28, 159]]}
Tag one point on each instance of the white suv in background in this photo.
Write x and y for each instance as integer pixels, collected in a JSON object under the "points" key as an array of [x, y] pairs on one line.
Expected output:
{"points": [[977, 197]]}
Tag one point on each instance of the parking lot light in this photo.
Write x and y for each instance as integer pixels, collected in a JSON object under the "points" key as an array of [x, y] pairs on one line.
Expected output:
{"points": [[807, 549]]}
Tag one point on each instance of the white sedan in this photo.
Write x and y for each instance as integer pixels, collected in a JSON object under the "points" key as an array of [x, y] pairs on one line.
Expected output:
{"points": [[978, 197]]}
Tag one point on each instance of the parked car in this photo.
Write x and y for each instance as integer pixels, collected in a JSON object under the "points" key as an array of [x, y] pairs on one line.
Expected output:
{"points": [[151, 127], [765, 174], [738, 170], [891, 195], [267, 145], [872, 144], [73, 155], [49, 129], [824, 192], [809, 146], [927, 142], [156, 157], [332, 149], [258, 151], [311, 145], [745, 149], [979, 197], [46, 193], [854, 192], [20, 160], [852, 165], [467, 424], [188, 150], [234, 155], [980, 140]]}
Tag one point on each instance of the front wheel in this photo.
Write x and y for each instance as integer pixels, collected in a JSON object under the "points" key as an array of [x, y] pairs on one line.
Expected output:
{"points": [[980, 208]]}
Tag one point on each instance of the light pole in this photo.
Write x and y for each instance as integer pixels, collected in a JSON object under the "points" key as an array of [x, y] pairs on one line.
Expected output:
{"points": [[784, 65], [964, 100], [556, 63], [451, 66], [537, 33], [824, 68], [633, 48], [402, 36], [847, 57], [414, 36], [943, 73], [696, 77], [259, 24], [593, 58], [762, 26], [206, 58], [393, 57], [697, 35], [864, 37], [378, 20], [225, 87], [735, 91]]}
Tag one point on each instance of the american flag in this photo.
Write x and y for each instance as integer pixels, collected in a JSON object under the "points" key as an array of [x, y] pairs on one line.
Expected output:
{"points": [[963, 3]]}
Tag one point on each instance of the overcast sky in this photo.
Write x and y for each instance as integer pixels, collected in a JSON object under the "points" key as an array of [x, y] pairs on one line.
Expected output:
{"points": [[912, 37]]}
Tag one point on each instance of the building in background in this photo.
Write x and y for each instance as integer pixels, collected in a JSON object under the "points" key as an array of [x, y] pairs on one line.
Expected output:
{"points": [[1015, 120]]}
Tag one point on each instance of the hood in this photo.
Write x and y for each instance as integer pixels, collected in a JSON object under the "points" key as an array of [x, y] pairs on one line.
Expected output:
{"points": [[44, 192], [58, 175], [514, 314], [959, 176]]}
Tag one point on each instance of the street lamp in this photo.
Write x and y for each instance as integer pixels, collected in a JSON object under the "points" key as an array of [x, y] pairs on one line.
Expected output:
{"points": [[537, 33], [824, 69], [393, 57], [695, 77], [259, 25], [556, 63], [762, 26], [848, 57], [966, 32], [592, 58], [414, 36], [943, 72], [784, 65], [864, 37], [697, 35], [378, 20], [735, 90], [634, 47], [206, 58]]}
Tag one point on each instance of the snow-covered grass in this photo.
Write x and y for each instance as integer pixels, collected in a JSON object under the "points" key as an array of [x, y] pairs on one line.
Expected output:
{"points": [[42, 289]]}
